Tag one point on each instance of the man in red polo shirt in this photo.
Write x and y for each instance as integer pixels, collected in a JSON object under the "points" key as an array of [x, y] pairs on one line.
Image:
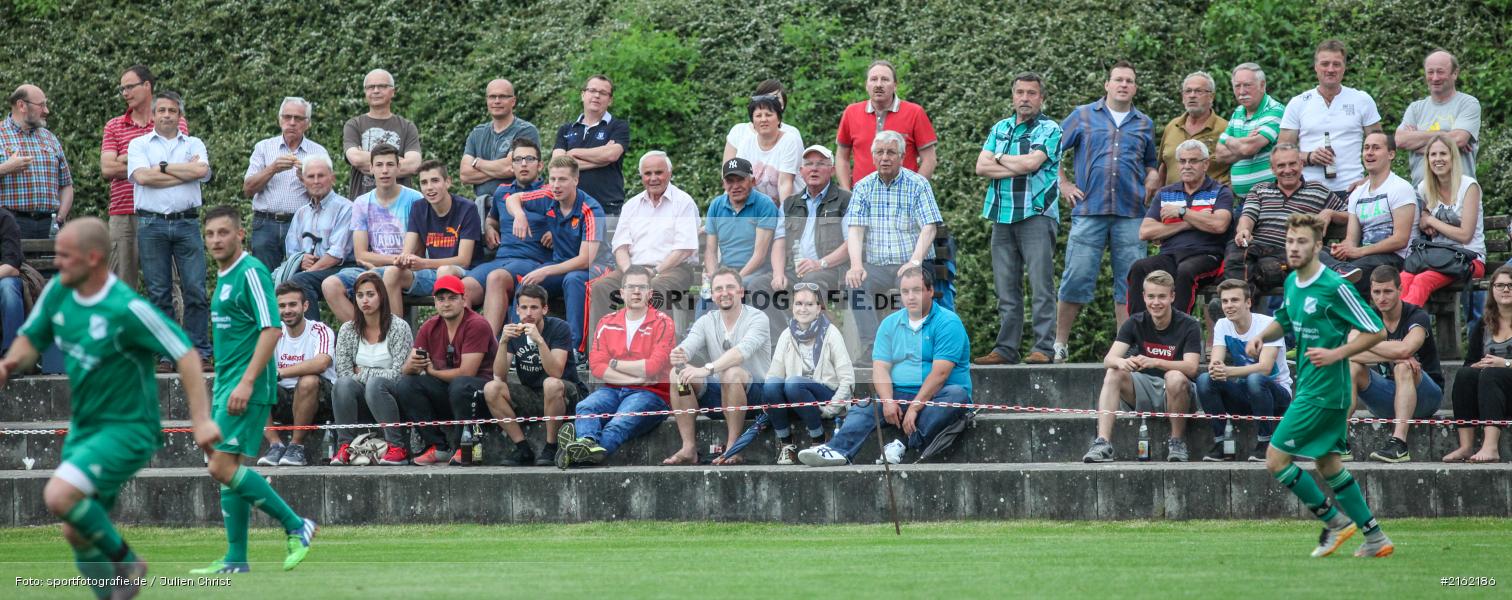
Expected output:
{"points": [[136, 88], [883, 110]]}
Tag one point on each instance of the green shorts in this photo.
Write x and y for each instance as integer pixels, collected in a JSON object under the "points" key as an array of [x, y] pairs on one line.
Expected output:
{"points": [[241, 434], [1311, 431], [100, 461]]}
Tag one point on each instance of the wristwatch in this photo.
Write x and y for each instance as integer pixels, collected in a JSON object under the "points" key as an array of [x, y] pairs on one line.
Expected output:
{"points": [[1181, 214], [823, 264], [163, 166], [709, 367], [614, 363], [998, 158], [916, 263], [474, 163], [1507, 362]]}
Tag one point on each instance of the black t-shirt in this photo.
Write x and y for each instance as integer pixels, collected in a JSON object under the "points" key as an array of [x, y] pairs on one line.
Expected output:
{"points": [[1181, 336], [1427, 354], [526, 356]]}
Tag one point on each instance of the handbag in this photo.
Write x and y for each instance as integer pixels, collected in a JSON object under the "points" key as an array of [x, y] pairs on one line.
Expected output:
{"points": [[1448, 259]]}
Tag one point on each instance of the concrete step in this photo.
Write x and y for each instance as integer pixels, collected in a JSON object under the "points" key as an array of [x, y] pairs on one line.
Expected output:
{"points": [[371, 495], [45, 398], [993, 438]]}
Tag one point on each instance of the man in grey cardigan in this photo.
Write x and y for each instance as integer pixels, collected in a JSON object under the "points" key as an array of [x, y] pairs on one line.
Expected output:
{"points": [[736, 346]]}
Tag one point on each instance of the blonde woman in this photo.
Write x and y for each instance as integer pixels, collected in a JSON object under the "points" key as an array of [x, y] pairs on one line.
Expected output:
{"points": [[809, 364], [1450, 213]]}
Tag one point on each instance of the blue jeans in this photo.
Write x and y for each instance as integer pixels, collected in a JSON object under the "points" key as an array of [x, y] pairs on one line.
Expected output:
{"points": [[164, 245], [1380, 397], [1084, 252], [796, 389], [519, 267], [1254, 394], [422, 284], [12, 309], [310, 282], [861, 419], [573, 289], [268, 241], [612, 433]]}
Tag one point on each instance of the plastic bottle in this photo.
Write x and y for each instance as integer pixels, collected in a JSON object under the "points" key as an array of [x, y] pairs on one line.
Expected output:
{"points": [[706, 291], [54, 234], [1144, 440], [1329, 170], [1229, 452]]}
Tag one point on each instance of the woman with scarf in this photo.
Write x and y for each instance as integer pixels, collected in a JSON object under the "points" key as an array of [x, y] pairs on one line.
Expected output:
{"points": [[809, 364]]}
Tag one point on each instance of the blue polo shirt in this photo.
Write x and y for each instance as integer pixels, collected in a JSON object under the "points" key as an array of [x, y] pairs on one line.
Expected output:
{"points": [[912, 353], [569, 231], [606, 183], [511, 247], [737, 231]]}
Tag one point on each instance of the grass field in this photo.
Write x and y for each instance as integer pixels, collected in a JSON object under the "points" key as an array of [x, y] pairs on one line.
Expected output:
{"points": [[1212, 559]]}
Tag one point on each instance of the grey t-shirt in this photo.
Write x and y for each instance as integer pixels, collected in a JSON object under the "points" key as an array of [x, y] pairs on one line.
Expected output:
{"points": [[486, 144], [364, 132], [1462, 111], [707, 340]]}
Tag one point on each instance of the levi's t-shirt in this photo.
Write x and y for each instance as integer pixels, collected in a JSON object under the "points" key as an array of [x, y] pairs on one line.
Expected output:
{"points": [[1181, 336]]}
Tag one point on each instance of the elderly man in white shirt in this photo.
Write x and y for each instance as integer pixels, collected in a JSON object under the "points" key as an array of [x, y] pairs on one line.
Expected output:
{"points": [[658, 229], [273, 180], [167, 167]]}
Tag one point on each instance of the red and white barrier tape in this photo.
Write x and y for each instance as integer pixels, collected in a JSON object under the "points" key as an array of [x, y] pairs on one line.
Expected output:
{"points": [[859, 402]]}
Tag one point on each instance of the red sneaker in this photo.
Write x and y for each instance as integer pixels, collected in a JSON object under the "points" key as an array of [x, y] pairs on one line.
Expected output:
{"points": [[343, 456], [427, 458], [456, 459], [394, 456]]}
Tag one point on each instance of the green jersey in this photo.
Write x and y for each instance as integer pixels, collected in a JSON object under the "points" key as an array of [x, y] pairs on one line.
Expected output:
{"points": [[1320, 313], [110, 342], [242, 307]]}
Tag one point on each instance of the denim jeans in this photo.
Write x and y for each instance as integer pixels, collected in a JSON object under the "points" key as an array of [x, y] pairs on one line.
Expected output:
{"points": [[1254, 394], [163, 245], [12, 309], [572, 288], [796, 389], [612, 433], [1380, 397], [268, 241], [1084, 252], [861, 419], [310, 281]]}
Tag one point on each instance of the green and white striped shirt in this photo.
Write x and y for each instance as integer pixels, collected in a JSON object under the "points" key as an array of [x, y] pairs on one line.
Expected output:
{"points": [[1248, 172]]}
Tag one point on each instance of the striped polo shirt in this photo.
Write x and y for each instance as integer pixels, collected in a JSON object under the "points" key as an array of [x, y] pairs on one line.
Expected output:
{"points": [[1245, 173], [1269, 208]]}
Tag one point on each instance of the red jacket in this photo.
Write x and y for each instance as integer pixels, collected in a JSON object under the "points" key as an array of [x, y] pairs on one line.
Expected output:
{"points": [[653, 343]]}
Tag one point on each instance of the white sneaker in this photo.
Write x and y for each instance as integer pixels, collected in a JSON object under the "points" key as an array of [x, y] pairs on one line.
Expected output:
{"points": [[1062, 352], [821, 456], [893, 452], [787, 455]]}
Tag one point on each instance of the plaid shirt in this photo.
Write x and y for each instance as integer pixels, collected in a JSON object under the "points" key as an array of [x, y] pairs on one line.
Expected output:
{"points": [[1014, 199], [893, 215], [34, 189], [1112, 161], [284, 193]]}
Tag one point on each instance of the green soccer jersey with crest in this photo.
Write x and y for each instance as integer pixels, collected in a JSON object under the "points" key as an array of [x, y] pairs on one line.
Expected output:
{"points": [[1321, 313], [111, 342], [240, 309]]}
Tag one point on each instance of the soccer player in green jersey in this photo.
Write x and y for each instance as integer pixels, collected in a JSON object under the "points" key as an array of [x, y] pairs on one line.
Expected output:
{"points": [[1322, 308], [111, 339], [245, 332]]}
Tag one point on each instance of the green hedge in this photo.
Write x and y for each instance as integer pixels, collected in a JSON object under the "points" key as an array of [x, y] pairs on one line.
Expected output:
{"points": [[683, 69]]}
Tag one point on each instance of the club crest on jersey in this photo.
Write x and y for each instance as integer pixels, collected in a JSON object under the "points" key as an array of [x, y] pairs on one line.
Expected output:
{"points": [[97, 327], [58, 319], [1310, 305], [225, 293]]}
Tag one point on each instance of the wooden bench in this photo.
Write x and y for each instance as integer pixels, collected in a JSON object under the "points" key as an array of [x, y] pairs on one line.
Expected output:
{"points": [[39, 254]]}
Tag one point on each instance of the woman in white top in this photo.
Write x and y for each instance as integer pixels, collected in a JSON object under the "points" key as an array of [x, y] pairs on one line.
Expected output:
{"points": [[809, 364], [773, 149], [1450, 203], [369, 350]]}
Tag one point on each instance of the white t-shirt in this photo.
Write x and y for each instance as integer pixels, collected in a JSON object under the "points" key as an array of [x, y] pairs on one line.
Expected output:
{"points": [[631, 328], [316, 340], [373, 356], [1455, 215], [1344, 120], [1118, 117], [766, 165], [1373, 206], [1233, 342]]}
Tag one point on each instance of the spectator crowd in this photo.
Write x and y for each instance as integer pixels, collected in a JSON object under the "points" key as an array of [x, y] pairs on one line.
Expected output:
{"points": [[555, 294]]}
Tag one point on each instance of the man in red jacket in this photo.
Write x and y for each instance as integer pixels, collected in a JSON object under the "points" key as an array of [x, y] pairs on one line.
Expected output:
{"points": [[630, 355]]}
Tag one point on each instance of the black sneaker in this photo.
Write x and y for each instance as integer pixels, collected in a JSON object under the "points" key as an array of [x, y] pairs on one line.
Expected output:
{"points": [[520, 456], [547, 457], [1214, 454], [1258, 455], [1394, 452]]}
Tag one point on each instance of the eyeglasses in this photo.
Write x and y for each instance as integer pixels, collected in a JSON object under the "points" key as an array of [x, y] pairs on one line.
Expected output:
{"points": [[451, 356], [121, 89], [597, 92], [1196, 91], [500, 96], [1502, 287], [815, 164], [806, 285], [1190, 161], [525, 160], [294, 117], [376, 87], [42, 104], [636, 287]]}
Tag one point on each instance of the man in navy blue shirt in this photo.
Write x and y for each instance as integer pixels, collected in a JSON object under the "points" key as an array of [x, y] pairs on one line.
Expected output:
{"points": [[442, 239], [597, 142]]}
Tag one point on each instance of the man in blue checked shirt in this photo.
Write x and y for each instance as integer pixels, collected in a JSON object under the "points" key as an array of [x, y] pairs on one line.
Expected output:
{"points": [[1116, 171], [1020, 160]]}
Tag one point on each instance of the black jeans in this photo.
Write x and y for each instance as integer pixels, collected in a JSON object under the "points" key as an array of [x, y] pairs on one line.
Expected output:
{"points": [[1482, 394], [426, 398], [1189, 270]]}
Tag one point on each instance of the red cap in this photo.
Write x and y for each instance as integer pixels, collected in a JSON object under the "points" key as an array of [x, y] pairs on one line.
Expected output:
{"points": [[448, 283]]}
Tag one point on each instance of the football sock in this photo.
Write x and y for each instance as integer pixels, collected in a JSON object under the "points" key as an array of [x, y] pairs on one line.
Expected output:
{"points": [[1307, 491], [255, 491], [94, 525], [1347, 492], [93, 565], [236, 513]]}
